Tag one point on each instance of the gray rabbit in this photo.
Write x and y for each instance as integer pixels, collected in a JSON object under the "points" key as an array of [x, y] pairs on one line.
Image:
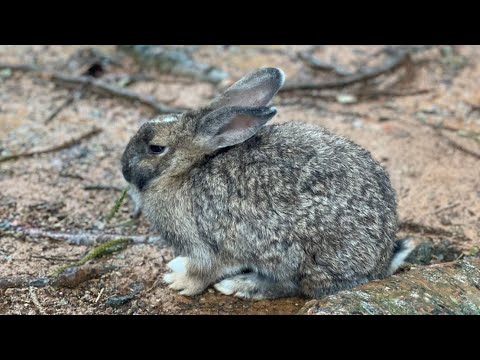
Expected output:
{"points": [[262, 211]]}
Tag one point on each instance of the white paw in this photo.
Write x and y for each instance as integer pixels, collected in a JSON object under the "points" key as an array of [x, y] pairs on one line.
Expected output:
{"points": [[179, 264], [169, 278], [176, 281], [242, 295], [241, 286], [183, 283], [226, 286]]}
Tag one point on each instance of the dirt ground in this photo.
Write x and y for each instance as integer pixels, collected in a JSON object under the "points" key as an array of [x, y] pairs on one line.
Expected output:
{"points": [[426, 140]]}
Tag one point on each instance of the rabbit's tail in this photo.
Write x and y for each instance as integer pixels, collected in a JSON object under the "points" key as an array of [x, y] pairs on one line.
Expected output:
{"points": [[402, 249]]}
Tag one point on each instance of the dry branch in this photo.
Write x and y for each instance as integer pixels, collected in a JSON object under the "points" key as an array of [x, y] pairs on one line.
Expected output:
{"points": [[413, 227], [83, 238], [75, 95], [398, 59], [65, 145], [94, 85], [393, 93], [449, 207], [77, 275], [452, 143], [457, 146], [321, 65], [71, 277], [20, 282]]}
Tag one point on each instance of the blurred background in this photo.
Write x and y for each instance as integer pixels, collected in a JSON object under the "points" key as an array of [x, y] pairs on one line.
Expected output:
{"points": [[67, 113]]}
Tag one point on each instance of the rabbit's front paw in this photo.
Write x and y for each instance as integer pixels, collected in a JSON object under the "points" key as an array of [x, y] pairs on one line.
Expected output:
{"points": [[183, 283], [179, 280], [179, 264]]}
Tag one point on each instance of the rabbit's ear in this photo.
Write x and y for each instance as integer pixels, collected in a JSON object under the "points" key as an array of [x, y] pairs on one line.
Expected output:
{"points": [[229, 126], [253, 90]]}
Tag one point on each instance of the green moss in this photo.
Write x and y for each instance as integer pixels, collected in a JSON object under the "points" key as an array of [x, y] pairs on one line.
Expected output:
{"points": [[474, 251], [110, 247]]}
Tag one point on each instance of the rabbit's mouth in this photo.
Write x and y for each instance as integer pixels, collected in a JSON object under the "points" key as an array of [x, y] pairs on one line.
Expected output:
{"points": [[140, 176], [127, 173], [137, 179]]}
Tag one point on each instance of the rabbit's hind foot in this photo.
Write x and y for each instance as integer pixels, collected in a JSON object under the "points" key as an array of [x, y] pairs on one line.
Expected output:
{"points": [[255, 286]]}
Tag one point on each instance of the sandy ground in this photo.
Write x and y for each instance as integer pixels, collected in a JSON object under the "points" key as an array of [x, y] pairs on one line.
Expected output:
{"points": [[437, 184]]}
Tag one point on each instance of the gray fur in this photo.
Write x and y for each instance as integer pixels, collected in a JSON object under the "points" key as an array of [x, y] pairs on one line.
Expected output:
{"points": [[297, 209]]}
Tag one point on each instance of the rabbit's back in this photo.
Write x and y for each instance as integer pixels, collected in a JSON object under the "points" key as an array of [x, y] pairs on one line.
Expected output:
{"points": [[298, 195]]}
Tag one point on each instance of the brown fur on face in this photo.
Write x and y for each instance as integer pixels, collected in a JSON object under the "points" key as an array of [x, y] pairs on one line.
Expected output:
{"points": [[174, 132]]}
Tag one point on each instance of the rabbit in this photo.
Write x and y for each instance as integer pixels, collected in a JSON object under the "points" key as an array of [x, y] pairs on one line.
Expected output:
{"points": [[262, 211]]}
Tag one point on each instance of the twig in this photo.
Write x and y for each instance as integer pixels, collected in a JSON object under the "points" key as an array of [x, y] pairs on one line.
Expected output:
{"points": [[460, 132], [364, 95], [77, 275], [397, 60], [469, 135], [125, 80], [51, 258], [318, 64], [70, 278], [75, 95], [102, 187], [83, 238], [457, 146], [94, 85], [410, 226], [65, 145], [445, 208], [452, 143], [99, 294], [379, 93], [71, 176], [102, 87], [19, 282]]}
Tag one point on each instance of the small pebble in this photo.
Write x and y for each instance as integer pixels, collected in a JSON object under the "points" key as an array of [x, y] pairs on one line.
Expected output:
{"points": [[346, 99], [357, 124]]}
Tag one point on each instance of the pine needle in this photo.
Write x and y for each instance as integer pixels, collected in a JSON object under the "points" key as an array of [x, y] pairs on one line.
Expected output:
{"points": [[117, 206]]}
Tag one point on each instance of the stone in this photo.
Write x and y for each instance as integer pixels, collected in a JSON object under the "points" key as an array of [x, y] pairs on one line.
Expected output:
{"points": [[451, 288]]}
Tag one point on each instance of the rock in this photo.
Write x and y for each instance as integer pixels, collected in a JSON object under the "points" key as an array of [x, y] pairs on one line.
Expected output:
{"points": [[5, 73], [173, 61], [428, 252], [447, 288], [116, 301], [357, 123], [346, 99]]}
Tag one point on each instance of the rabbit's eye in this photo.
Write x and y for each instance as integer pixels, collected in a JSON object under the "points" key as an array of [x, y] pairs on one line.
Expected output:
{"points": [[156, 149]]}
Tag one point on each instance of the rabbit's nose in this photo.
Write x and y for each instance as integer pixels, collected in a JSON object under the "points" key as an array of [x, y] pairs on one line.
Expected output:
{"points": [[126, 172], [126, 168]]}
